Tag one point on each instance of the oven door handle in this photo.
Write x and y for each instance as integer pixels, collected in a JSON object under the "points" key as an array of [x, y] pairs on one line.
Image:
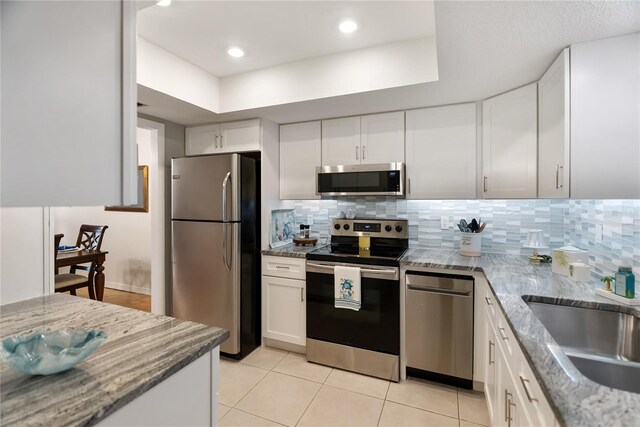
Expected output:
{"points": [[362, 270]]}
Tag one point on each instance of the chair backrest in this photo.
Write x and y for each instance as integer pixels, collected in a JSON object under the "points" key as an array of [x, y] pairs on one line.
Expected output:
{"points": [[56, 239], [90, 236]]}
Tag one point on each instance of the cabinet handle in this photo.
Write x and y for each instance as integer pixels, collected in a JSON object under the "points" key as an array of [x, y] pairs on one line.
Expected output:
{"points": [[507, 406], [526, 389], [491, 360], [502, 334], [301, 295], [217, 137], [510, 414], [484, 184], [357, 152], [557, 176], [283, 267], [408, 185], [364, 153], [488, 300]]}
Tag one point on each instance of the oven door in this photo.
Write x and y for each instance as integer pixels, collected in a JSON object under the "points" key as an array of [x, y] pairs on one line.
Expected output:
{"points": [[375, 327]]}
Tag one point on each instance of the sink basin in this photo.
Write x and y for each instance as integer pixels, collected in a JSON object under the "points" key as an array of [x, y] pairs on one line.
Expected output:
{"points": [[603, 345]]}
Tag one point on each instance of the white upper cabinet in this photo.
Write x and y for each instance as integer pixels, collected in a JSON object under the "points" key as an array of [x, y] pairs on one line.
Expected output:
{"points": [[202, 140], [441, 152], [68, 103], [509, 144], [382, 138], [240, 136], [299, 156], [234, 137], [605, 119], [553, 130], [341, 141]]}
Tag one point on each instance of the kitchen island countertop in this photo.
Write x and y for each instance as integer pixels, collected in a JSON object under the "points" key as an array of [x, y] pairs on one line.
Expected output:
{"points": [[141, 351], [576, 400]]}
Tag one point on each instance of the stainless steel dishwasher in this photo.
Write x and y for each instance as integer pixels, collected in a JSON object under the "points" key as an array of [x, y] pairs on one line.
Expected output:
{"points": [[439, 327]]}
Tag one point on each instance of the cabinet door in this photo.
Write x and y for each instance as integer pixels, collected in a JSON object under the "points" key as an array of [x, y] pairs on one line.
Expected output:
{"points": [[382, 138], [490, 389], [202, 140], [441, 152], [341, 141], [605, 118], [553, 130], [68, 103], [241, 136], [284, 310], [509, 144], [300, 153]]}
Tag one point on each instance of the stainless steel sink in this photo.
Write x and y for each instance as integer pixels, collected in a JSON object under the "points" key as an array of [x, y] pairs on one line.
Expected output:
{"points": [[603, 345]]}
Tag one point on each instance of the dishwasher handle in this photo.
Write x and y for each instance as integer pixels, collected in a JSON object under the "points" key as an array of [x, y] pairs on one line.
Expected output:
{"points": [[439, 291]]}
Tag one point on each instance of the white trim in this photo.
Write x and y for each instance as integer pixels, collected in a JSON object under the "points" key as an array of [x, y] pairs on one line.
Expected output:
{"points": [[48, 264], [128, 288], [156, 210]]}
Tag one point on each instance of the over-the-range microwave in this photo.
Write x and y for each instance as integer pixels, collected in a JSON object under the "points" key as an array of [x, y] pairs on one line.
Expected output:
{"points": [[384, 179]]}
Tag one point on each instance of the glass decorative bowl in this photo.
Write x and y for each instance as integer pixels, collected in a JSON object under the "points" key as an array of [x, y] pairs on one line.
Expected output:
{"points": [[45, 353]]}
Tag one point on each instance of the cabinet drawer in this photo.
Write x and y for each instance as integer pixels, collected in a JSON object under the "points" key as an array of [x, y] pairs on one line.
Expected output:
{"points": [[538, 411], [278, 266]]}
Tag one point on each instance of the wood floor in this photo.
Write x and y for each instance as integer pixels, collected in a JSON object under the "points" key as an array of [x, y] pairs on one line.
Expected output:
{"points": [[124, 299]]}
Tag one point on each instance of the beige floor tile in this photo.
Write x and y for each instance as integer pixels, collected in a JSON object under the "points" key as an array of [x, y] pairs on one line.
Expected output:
{"points": [[236, 418], [222, 410], [336, 407], [425, 395], [464, 423], [236, 379], [264, 357], [364, 384], [280, 398], [473, 407], [297, 365], [395, 414]]}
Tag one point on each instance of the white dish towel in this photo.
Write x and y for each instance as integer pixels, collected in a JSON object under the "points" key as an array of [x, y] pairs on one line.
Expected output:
{"points": [[347, 287]]}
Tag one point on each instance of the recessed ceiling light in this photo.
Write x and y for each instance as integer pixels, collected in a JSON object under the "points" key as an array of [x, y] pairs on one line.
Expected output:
{"points": [[236, 52], [164, 3], [348, 26]]}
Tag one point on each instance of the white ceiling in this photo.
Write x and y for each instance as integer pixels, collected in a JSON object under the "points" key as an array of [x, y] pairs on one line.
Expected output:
{"points": [[484, 48], [277, 32]]}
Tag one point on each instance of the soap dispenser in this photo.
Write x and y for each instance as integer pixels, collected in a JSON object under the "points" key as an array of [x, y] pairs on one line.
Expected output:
{"points": [[625, 281]]}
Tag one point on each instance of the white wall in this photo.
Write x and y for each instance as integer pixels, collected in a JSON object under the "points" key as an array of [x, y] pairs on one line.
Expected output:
{"points": [[24, 259], [374, 68], [128, 238], [164, 72]]}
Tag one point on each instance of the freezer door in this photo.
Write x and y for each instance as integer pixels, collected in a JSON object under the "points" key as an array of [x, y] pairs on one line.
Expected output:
{"points": [[206, 276], [206, 188]]}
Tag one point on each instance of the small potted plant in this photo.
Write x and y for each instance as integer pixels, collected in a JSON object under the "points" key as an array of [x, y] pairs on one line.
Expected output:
{"points": [[607, 282]]}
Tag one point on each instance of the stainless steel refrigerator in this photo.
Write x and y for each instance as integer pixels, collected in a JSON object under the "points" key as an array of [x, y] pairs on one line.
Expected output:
{"points": [[215, 246]]}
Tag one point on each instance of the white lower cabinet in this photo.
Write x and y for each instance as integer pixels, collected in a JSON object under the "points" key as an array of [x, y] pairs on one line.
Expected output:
{"points": [[283, 301], [514, 397]]}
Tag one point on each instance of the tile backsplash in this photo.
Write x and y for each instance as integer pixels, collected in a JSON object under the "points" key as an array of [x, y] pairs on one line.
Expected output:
{"points": [[562, 221]]}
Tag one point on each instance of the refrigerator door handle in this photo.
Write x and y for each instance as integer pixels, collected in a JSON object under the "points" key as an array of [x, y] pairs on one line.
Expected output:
{"points": [[226, 179], [225, 236]]}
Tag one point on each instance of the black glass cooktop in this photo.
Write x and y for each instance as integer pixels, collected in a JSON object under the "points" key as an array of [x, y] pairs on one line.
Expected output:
{"points": [[388, 256]]}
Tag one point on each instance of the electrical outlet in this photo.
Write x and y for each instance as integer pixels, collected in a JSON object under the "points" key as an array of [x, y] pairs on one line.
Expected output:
{"points": [[599, 237], [309, 219], [444, 222]]}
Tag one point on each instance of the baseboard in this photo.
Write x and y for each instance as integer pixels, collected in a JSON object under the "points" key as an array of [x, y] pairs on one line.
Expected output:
{"points": [[295, 348], [128, 288]]}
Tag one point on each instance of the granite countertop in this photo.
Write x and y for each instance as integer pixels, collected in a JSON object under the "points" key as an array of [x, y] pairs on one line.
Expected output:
{"points": [[142, 350], [576, 400], [292, 251]]}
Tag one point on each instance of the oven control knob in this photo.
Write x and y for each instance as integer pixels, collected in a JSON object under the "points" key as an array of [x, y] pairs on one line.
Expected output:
{"points": [[337, 226], [346, 226], [388, 228], [398, 228]]}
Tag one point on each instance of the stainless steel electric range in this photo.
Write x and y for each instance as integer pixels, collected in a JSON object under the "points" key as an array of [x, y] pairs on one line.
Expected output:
{"points": [[368, 340]]}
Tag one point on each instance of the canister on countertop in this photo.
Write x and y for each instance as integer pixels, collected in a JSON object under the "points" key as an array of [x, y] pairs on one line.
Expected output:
{"points": [[625, 282]]}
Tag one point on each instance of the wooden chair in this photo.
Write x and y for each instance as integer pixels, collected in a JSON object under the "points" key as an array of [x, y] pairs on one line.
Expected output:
{"points": [[89, 237]]}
